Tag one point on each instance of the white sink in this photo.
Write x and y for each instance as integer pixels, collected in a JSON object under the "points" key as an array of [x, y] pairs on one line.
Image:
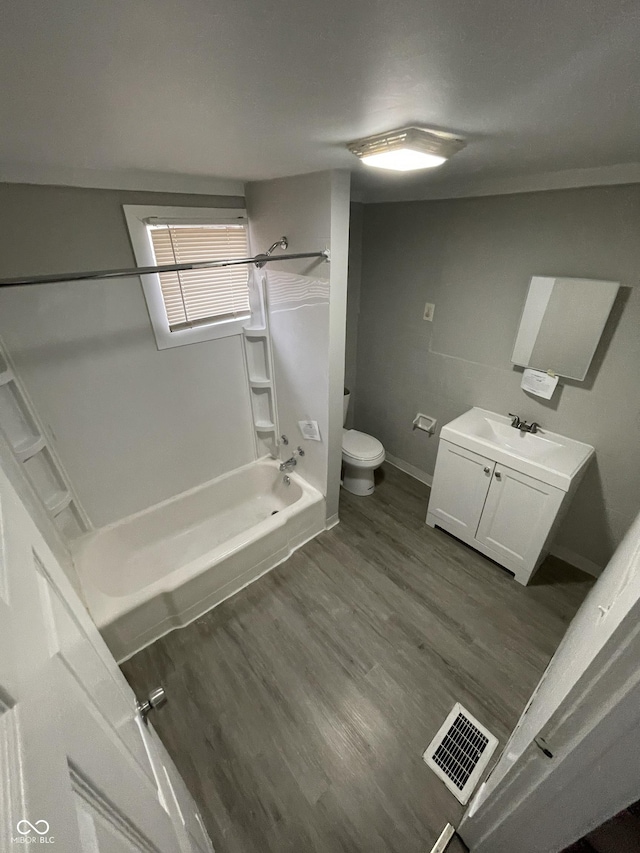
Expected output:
{"points": [[552, 458], [526, 444]]}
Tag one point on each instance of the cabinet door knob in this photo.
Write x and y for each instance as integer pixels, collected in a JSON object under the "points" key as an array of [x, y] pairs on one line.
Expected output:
{"points": [[487, 470], [498, 475]]}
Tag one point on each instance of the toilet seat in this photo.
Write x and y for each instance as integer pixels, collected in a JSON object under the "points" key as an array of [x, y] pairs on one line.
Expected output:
{"points": [[360, 447]]}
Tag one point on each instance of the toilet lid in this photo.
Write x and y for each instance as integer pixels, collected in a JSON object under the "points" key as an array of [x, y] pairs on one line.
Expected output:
{"points": [[360, 445]]}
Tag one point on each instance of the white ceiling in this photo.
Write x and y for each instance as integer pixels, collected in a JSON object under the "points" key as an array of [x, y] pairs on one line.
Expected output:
{"points": [[253, 89]]}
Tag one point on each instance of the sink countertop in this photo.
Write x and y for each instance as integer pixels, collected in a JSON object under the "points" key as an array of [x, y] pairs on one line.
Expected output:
{"points": [[552, 458]]}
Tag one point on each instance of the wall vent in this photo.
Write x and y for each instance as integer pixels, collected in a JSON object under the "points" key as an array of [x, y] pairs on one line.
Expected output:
{"points": [[460, 752]]}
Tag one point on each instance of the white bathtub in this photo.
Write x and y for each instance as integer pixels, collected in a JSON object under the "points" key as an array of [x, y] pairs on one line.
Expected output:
{"points": [[163, 567]]}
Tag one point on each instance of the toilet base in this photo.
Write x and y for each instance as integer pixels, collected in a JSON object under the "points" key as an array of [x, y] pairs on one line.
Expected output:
{"points": [[358, 481]]}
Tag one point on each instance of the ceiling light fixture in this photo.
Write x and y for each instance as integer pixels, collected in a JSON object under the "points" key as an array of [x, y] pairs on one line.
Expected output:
{"points": [[407, 149]]}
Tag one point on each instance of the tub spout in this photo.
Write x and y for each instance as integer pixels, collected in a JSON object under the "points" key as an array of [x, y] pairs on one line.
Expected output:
{"points": [[289, 464]]}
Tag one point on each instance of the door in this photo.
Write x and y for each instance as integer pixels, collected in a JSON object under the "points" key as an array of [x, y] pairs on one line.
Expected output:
{"points": [[75, 768], [193, 835], [586, 710], [460, 484], [517, 517]]}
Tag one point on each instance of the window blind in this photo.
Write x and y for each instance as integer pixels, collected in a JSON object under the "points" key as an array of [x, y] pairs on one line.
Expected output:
{"points": [[196, 297]]}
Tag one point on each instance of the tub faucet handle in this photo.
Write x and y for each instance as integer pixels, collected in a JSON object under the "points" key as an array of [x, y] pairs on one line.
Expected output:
{"points": [[300, 451]]}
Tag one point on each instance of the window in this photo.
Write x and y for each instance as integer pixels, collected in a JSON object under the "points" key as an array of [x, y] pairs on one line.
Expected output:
{"points": [[207, 295], [194, 305]]}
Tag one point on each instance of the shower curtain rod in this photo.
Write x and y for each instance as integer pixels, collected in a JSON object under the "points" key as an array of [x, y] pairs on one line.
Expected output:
{"points": [[258, 260]]}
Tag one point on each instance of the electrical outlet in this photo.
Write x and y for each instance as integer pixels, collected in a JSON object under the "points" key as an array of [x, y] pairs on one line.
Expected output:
{"points": [[429, 308]]}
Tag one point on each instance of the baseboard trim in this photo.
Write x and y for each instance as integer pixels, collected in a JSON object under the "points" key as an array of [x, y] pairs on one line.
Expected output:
{"points": [[577, 560], [445, 837], [409, 469], [331, 521]]}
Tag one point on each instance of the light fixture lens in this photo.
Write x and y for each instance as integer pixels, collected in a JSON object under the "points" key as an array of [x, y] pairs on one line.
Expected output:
{"points": [[403, 160], [407, 148]]}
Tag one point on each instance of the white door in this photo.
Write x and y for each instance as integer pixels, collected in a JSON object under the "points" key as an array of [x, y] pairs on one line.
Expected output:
{"points": [[586, 709], [76, 770], [517, 516], [460, 484]]}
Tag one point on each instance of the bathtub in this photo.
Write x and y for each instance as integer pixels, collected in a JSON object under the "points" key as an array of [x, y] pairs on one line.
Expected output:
{"points": [[161, 568]]}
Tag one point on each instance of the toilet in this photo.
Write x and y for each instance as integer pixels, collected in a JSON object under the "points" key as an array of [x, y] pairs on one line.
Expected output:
{"points": [[361, 455]]}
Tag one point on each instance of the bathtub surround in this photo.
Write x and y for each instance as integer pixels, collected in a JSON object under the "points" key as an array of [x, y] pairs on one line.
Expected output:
{"points": [[307, 306], [353, 305], [160, 444], [473, 258], [45, 523], [133, 426]]}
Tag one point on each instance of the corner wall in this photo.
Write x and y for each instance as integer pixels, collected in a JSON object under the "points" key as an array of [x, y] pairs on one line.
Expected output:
{"points": [[133, 426], [474, 258]]}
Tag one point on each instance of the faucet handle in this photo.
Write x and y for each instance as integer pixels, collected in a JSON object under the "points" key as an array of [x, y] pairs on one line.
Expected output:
{"points": [[516, 419]]}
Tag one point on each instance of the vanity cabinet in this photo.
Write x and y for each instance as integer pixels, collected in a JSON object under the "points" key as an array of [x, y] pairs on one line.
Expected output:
{"points": [[505, 514], [459, 490]]}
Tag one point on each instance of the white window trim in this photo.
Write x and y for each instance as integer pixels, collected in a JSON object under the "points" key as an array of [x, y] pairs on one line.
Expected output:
{"points": [[137, 216]]}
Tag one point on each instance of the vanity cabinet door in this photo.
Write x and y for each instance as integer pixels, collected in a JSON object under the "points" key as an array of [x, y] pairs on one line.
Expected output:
{"points": [[460, 484], [517, 518]]}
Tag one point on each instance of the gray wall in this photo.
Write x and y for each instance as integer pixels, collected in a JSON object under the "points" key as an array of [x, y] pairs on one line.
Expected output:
{"points": [[473, 258], [132, 425]]}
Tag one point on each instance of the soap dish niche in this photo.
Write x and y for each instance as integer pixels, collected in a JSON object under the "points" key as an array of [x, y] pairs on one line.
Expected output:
{"points": [[17, 423], [45, 479], [258, 360], [262, 405], [26, 438], [69, 522], [260, 371]]}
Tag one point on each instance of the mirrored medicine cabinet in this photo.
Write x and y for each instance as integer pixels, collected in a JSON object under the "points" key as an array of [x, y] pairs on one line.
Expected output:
{"points": [[562, 323]]}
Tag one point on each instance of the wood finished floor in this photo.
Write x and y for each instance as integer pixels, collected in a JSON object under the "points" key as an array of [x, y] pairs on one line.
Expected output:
{"points": [[299, 709]]}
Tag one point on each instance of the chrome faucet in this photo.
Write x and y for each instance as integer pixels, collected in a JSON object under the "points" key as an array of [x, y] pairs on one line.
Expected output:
{"points": [[292, 462], [523, 426]]}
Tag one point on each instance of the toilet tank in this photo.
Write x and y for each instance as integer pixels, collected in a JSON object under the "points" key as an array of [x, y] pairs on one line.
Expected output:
{"points": [[345, 405]]}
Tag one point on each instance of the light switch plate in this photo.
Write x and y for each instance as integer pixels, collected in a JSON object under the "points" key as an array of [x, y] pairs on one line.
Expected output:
{"points": [[429, 309]]}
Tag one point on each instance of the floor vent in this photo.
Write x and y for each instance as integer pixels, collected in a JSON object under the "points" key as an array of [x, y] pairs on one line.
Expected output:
{"points": [[460, 752]]}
